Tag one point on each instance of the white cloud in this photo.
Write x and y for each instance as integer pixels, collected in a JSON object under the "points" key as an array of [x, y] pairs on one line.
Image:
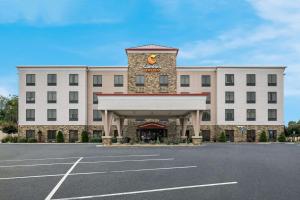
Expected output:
{"points": [[275, 41]]}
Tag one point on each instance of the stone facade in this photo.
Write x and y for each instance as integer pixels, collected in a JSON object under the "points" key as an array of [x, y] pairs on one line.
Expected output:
{"points": [[167, 63]]}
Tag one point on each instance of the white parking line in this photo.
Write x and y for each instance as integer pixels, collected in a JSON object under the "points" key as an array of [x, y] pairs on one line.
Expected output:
{"points": [[103, 172], [91, 162], [149, 191], [64, 158], [50, 195]]}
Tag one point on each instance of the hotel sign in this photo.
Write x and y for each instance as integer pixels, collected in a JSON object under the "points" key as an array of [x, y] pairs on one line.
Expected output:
{"points": [[151, 65]]}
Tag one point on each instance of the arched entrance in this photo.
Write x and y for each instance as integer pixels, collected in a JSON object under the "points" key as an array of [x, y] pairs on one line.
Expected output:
{"points": [[151, 131]]}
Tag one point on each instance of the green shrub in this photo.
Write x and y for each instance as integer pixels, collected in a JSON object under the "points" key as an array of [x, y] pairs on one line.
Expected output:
{"points": [[282, 138], [22, 140], [84, 136], [263, 137], [131, 142], [5, 140], [222, 137], [114, 140], [32, 140], [96, 140], [60, 137]]}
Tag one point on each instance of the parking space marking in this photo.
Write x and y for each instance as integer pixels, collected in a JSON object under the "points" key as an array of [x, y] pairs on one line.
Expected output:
{"points": [[65, 158], [103, 172], [50, 195], [149, 191], [34, 165]]}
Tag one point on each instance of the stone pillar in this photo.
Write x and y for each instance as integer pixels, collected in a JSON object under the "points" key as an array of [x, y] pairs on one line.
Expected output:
{"points": [[120, 124], [196, 116], [183, 123], [107, 120]]}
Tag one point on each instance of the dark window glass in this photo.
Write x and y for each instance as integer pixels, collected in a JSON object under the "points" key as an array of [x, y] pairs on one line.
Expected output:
{"points": [[73, 114], [272, 79], [30, 115], [229, 135], [51, 78], [229, 97], [51, 96], [251, 97], [30, 134], [206, 115], [73, 97], [251, 114], [251, 80], [272, 97], [30, 97], [95, 98], [97, 134], [163, 80], [118, 80], [51, 135], [73, 79], [140, 80], [51, 114], [208, 98], [205, 135], [205, 80], [97, 80], [229, 79], [272, 135], [184, 80], [229, 114], [97, 115], [272, 114], [73, 136], [30, 79]]}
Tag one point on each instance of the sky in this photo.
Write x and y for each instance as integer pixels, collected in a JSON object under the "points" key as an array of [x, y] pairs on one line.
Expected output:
{"points": [[207, 32]]}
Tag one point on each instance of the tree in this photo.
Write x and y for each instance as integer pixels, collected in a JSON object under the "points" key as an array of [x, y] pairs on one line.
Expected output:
{"points": [[263, 137], [11, 110], [222, 137], [60, 137], [9, 129], [85, 136], [293, 127]]}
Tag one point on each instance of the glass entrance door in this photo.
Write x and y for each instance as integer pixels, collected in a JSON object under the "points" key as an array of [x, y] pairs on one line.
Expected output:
{"points": [[151, 135]]}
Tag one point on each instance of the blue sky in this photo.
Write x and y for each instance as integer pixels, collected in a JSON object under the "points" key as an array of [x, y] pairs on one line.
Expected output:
{"points": [[207, 32]]}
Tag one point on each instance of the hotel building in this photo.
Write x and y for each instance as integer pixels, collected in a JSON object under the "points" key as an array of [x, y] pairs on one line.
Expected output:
{"points": [[151, 98]]}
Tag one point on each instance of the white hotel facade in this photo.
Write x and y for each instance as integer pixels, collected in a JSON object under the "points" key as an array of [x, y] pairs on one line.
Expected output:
{"points": [[151, 98]]}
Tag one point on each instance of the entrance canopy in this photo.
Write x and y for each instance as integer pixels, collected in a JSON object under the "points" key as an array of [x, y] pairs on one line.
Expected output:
{"points": [[151, 105], [152, 125]]}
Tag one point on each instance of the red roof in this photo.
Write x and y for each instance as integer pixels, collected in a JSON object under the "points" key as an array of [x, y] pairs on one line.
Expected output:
{"points": [[152, 125]]}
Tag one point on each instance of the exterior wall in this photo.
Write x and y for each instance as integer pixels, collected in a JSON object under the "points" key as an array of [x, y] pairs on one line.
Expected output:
{"points": [[136, 63]]}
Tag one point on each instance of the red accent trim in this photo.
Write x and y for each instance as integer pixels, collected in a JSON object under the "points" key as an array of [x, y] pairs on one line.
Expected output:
{"points": [[152, 125], [154, 94]]}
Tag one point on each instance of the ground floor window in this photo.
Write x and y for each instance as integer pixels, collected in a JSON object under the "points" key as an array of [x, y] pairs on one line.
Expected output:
{"points": [[206, 135], [30, 134], [51, 135], [272, 135], [251, 135], [97, 134], [229, 135], [73, 135]]}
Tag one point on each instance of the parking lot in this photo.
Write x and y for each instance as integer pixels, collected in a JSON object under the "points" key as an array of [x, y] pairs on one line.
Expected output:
{"points": [[210, 171]]}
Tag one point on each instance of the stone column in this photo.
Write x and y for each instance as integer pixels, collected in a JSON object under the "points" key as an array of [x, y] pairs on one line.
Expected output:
{"points": [[183, 123], [120, 124], [196, 116], [107, 120]]}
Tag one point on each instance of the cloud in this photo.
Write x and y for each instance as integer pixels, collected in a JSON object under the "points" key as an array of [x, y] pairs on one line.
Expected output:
{"points": [[274, 41], [54, 12]]}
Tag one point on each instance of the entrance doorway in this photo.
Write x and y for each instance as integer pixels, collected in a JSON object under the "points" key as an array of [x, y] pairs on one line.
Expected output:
{"points": [[151, 132], [251, 135], [229, 135]]}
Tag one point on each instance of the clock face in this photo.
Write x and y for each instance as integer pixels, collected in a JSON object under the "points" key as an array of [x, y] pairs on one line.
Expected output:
{"points": [[151, 59]]}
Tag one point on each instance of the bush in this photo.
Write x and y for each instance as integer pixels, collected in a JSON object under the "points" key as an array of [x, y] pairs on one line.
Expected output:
{"points": [[22, 140], [32, 140], [222, 137], [263, 137], [281, 138], [60, 137], [96, 140], [114, 140], [84, 136], [9, 129], [126, 139]]}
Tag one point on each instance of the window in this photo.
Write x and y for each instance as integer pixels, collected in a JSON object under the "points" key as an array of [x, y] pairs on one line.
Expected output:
{"points": [[251, 135], [229, 135], [30, 97], [208, 98], [184, 80], [30, 115], [73, 114], [140, 80], [51, 135], [51, 78], [251, 114], [73, 97], [272, 79], [118, 80], [229, 97], [272, 97], [97, 134], [30, 134], [73, 79], [251, 97], [73, 136], [51, 97], [163, 81], [251, 79], [272, 135], [229, 79], [95, 98], [272, 114], [205, 80], [205, 135], [97, 80], [229, 114], [30, 79], [97, 115], [51, 114], [206, 115]]}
